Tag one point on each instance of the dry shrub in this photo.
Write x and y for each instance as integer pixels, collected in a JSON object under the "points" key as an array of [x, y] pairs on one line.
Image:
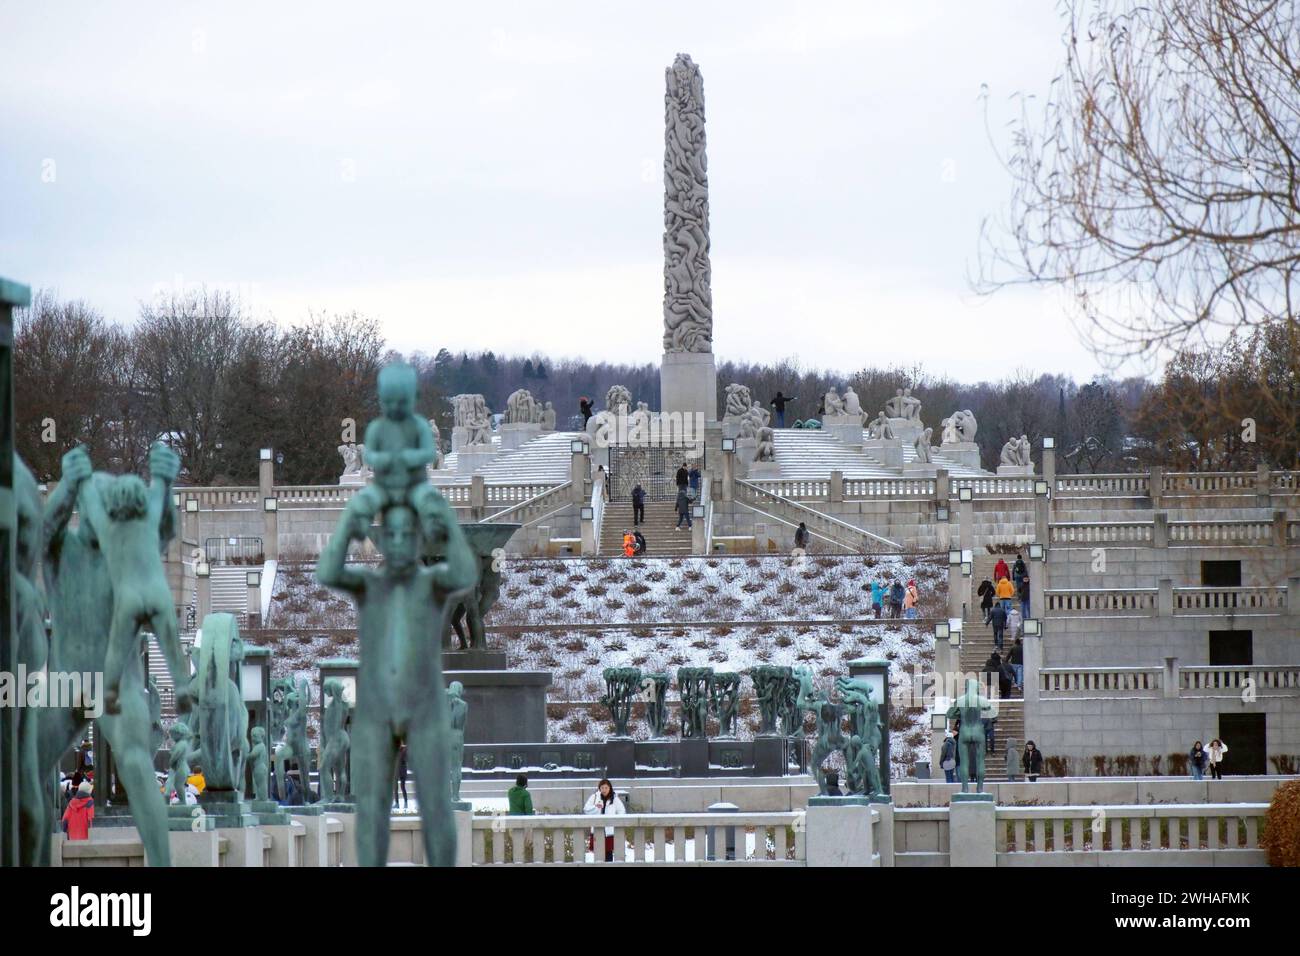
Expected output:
{"points": [[1281, 836], [636, 588]]}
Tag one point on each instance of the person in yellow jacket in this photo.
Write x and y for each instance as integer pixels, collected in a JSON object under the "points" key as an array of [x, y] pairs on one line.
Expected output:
{"points": [[196, 781], [1004, 592], [629, 543]]}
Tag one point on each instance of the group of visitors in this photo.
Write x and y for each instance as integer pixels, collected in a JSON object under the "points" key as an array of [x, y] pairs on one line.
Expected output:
{"points": [[1010, 585], [894, 599], [1009, 671], [1202, 758], [605, 802], [634, 544], [688, 491], [1031, 761]]}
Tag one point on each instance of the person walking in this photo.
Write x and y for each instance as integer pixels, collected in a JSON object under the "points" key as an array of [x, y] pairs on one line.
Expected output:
{"points": [[518, 799], [1005, 592], [993, 667], [602, 479], [948, 757], [1017, 659], [638, 504], [910, 597], [584, 405], [985, 594], [683, 509], [683, 477], [80, 813], [1214, 754], [399, 780], [629, 544], [1000, 570], [693, 478], [1023, 594], [1032, 762], [801, 537], [877, 596], [778, 404], [606, 802], [1197, 760], [1018, 571], [639, 538], [998, 618], [896, 595]]}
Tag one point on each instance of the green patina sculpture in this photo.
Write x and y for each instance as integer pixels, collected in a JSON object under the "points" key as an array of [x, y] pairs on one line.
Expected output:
{"points": [[468, 612], [695, 684], [799, 697], [864, 721], [179, 758], [621, 686], [157, 734], [971, 708], [125, 516], [223, 718], [334, 753], [80, 591], [294, 746], [31, 654], [458, 712], [725, 702], [830, 737], [400, 693], [277, 707], [259, 764], [770, 681], [655, 688]]}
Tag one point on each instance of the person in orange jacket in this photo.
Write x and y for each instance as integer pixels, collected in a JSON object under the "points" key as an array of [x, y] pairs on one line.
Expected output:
{"points": [[80, 813], [1004, 592], [629, 543]]}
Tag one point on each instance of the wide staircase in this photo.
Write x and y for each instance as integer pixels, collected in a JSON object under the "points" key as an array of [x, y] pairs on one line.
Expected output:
{"points": [[659, 528], [976, 646]]}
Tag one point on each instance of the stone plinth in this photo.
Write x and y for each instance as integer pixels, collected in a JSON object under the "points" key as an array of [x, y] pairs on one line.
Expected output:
{"points": [[972, 830], [965, 453], [927, 469], [459, 437], [354, 479], [887, 451], [269, 813], [694, 756], [746, 450], [474, 659], [847, 428], [688, 385], [1016, 471], [620, 757], [839, 831], [763, 469], [504, 706], [471, 458], [514, 434], [906, 429]]}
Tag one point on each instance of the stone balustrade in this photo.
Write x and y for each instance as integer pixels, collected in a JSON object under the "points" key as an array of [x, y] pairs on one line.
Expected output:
{"points": [[219, 498], [1085, 602], [997, 487], [1100, 681], [894, 488], [1160, 533], [776, 839], [1214, 680], [1094, 533], [1169, 680], [1230, 600], [1146, 602]]}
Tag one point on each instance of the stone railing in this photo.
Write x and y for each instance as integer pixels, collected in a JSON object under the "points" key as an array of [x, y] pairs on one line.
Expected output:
{"points": [[771, 839], [823, 525], [1230, 600], [1099, 681], [1209, 482], [997, 487], [897, 488], [531, 510], [1034, 836], [1065, 533], [1085, 602], [1176, 483], [222, 497], [794, 489], [510, 493], [1160, 533], [1214, 679], [1103, 486], [1226, 532], [326, 495]]}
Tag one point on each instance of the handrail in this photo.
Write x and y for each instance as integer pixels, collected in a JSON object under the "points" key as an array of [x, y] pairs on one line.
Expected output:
{"points": [[706, 496], [856, 536], [597, 507], [523, 508]]}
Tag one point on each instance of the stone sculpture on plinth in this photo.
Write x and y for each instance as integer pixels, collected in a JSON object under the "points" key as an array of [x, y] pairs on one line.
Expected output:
{"points": [[179, 757], [222, 718], [864, 722], [830, 737], [725, 702], [401, 607], [799, 697], [294, 746], [655, 688], [457, 715], [738, 402], [79, 588], [621, 687], [832, 404], [695, 684], [972, 708], [904, 406], [1015, 458], [520, 407], [880, 429], [923, 450], [354, 467], [334, 752]]}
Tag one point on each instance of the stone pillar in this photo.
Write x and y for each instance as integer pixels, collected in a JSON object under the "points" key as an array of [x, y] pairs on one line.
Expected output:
{"points": [[837, 485], [1033, 663], [590, 545], [966, 539], [728, 475], [203, 598], [465, 838], [957, 585], [885, 830], [253, 603], [1041, 516], [1049, 467], [698, 544], [1038, 585], [1169, 677], [243, 846], [972, 830], [1165, 599], [270, 519], [1157, 483], [477, 497], [1263, 487], [580, 474], [942, 487], [1160, 529], [839, 834]]}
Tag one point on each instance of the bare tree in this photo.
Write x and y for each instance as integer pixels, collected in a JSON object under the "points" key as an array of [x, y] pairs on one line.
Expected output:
{"points": [[1159, 185]]}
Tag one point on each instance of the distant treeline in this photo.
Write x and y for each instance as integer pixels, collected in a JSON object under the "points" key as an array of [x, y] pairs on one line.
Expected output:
{"points": [[218, 387]]}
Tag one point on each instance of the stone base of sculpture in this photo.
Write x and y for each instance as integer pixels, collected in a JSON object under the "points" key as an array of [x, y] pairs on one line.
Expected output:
{"points": [[918, 469], [269, 813], [459, 437], [746, 452], [965, 453], [971, 798], [504, 706], [339, 807], [474, 659], [847, 428], [213, 811], [620, 757], [763, 469], [1016, 471], [906, 429], [847, 800], [887, 451], [354, 479], [514, 434], [694, 754], [688, 385], [472, 458]]}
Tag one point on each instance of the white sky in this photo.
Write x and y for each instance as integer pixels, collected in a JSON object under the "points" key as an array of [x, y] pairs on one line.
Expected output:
{"points": [[491, 177]]}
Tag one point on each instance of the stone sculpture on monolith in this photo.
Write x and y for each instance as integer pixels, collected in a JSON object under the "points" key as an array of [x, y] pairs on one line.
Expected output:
{"points": [[401, 607], [80, 590]]}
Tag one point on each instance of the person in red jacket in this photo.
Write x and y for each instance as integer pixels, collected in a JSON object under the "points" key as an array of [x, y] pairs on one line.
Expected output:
{"points": [[80, 812], [1000, 570]]}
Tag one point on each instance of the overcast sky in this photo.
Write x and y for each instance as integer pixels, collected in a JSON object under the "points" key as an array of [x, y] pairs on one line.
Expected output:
{"points": [[492, 177]]}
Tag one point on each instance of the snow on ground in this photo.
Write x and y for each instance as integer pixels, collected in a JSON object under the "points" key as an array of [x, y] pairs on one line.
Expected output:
{"points": [[781, 599]]}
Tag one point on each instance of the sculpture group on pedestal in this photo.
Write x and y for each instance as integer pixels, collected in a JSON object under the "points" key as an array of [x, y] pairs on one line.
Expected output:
{"points": [[695, 684], [621, 687], [400, 693], [521, 408], [1016, 453], [959, 427], [860, 747], [354, 464], [737, 403], [904, 406], [655, 688], [472, 416], [725, 702], [880, 429]]}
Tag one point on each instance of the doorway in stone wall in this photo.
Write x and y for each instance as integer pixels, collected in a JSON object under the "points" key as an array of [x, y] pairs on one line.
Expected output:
{"points": [[1231, 648], [1220, 574], [1247, 738]]}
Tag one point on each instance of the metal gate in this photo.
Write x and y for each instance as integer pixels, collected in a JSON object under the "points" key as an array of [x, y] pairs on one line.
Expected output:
{"points": [[654, 468]]}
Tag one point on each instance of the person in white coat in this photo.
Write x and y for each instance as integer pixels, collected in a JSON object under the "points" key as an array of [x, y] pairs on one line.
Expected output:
{"points": [[1214, 754], [605, 801]]}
